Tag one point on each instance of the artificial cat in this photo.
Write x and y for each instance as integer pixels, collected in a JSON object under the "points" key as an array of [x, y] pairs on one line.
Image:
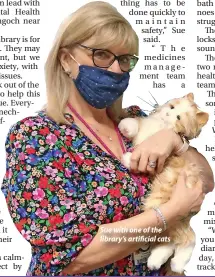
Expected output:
{"points": [[184, 117]]}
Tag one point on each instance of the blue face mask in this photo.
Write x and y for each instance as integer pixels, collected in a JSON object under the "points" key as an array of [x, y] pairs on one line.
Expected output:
{"points": [[99, 87]]}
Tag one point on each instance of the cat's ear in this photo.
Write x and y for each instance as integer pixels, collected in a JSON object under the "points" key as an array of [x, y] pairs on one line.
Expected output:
{"points": [[202, 118], [189, 96]]}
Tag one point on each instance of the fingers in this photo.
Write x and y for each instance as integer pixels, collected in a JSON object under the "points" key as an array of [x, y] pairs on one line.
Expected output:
{"points": [[160, 164], [199, 199], [198, 203], [143, 163], [134, 162], [182, 177], [205, 188], [146, 163], [150, 164]]}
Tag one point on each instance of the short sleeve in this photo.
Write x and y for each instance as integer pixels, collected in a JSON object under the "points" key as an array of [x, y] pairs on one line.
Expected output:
{"points": [[41, 187], [134, 111]]}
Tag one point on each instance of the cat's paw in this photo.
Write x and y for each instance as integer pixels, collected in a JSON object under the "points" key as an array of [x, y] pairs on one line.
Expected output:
{"points": [[155, 262], [182, 257], [159, 256], [126, 159], [177, 265], [128, 127]]}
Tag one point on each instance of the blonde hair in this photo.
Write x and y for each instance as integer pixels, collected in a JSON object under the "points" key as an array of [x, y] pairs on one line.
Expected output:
{"points": [[98, 19]]}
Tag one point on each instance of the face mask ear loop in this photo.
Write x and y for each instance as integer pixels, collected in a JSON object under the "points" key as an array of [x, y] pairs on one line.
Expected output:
{"points": [[77, 63], [74, 59]]}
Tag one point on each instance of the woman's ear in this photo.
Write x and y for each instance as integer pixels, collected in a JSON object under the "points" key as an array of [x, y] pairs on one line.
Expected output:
{"points": [[65, 59]]}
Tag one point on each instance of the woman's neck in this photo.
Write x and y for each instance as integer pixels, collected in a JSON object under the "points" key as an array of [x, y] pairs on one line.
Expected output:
{"points": [[86, 111]]}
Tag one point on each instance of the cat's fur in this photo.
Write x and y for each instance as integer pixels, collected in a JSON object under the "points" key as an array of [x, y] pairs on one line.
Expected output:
{"points": [[184, 117]]}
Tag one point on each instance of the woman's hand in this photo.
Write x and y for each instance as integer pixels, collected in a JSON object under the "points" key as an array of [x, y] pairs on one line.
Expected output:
{"points": [[157, 149], [185, 200], [192, 155]]}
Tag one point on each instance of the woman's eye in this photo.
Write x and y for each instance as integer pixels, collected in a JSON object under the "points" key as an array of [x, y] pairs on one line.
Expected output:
{"points": [[172, 107], [178, 117], [102, 54], [125, 60]]}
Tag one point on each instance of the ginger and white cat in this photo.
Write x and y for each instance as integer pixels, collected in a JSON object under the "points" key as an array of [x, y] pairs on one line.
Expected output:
{"points": [[184, 117]]}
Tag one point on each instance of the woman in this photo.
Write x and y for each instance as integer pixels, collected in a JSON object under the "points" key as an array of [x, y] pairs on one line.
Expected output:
{"points": [[65, 181]]}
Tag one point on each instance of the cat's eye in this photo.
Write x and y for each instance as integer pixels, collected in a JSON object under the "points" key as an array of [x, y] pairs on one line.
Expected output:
{"points": [[172, 107], [178, 117]]}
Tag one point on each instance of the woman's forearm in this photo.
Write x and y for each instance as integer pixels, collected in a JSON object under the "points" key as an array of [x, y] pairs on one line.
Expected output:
{"points": [[99, 253]]}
